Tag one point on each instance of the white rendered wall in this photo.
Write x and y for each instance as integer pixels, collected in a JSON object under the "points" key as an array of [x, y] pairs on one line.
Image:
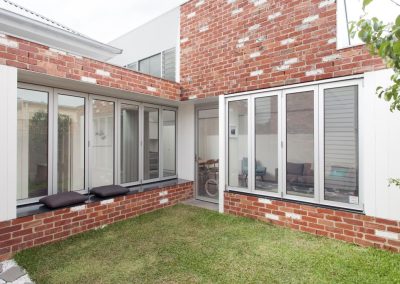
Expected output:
{"points": [[379, 149], [8, 143], [158, 35], [186, 141]]}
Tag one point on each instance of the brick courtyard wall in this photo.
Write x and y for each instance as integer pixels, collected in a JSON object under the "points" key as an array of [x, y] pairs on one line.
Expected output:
{"points": [[230, 46], [38, 58], [31, 231], [336, 224]]}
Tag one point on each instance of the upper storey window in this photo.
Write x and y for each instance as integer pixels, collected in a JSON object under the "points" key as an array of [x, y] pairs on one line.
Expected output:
{"points": [[351, 10], [161, 65]]}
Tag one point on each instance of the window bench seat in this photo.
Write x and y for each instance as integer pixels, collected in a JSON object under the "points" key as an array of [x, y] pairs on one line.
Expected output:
{"points": [[37, 208]]}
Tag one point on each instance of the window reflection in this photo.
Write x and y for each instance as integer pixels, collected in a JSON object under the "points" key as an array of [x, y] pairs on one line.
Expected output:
{"points": [[300, 144]]}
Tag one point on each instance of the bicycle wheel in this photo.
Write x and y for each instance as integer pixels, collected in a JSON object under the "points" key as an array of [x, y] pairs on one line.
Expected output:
{"points": [[211, 187]]}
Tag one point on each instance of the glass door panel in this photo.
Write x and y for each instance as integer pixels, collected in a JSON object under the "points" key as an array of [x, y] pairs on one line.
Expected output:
{"points": [[151, 144], [129, 144], [341, 145], [70, 143], [238, 168], [33, 134], [169, 143], [266, 144], [102, 143], [208, 154], [300, 144]]}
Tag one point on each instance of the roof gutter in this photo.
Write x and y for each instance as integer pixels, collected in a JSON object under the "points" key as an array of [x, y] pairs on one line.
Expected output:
{"points": [[35, 31]]}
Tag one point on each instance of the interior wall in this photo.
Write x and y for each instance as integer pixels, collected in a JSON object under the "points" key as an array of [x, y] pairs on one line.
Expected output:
{"points": [[8, 143], [379, 149]]}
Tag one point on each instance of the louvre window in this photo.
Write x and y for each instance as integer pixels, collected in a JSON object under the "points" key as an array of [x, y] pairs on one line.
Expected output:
{"points": [[169, 63]]}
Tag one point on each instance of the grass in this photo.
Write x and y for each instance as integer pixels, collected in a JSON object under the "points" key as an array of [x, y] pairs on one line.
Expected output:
{"points": [[185, 244]]}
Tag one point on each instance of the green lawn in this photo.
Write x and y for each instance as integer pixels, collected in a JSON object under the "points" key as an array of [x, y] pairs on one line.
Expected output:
{"points": [[185, 244]]}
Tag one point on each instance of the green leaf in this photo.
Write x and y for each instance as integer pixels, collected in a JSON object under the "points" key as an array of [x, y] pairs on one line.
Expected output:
{"points": [[387, 96], [396, 47], [383, 49], [366, 3], [364, 35], [398, 21]]}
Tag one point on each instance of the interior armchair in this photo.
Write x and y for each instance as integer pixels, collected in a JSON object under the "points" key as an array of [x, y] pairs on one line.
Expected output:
{"points": [[261, 171]]}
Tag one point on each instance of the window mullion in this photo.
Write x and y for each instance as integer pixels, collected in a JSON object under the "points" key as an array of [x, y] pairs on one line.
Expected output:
{"points": [[281, 144], [160, 140], [141, 142], [53, 141]]}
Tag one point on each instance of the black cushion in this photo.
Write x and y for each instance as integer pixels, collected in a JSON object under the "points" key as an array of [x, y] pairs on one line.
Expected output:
{"points": [[63, 199], [109, 191]]}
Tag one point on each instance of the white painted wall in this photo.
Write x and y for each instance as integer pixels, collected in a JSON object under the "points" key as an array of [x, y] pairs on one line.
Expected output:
{"points": [[186, 141], [158, 35], [379, 149], [8, 143]]}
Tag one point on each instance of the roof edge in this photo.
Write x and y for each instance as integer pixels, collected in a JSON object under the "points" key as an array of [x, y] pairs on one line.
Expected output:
{"points": [[30, 29]]}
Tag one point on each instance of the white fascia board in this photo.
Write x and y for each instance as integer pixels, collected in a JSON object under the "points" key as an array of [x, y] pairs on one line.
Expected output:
{"points": [[35, 31]]}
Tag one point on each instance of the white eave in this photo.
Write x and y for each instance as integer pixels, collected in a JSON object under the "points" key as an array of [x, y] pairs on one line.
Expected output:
{"points": [[35, 31]]}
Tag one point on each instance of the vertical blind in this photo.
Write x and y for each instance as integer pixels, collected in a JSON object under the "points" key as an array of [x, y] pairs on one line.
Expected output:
{"points": [[341, 140]]}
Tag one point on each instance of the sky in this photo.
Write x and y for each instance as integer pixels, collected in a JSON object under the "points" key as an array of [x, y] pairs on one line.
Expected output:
{"points": [[103, 20]]}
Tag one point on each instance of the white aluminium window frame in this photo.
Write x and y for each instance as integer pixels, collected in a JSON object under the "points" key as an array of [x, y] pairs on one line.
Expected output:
{"points": [[118, 138], [318, 88], [141, 106], [321, 134], [161, 110], [285, 93], [58, 92], [91, 136], [50, 135], [254, 98], [249, 140], [52, 138]]}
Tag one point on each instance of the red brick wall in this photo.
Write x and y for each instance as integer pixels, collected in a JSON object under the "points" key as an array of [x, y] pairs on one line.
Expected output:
{"points": [[31, 231], [345, 226], [229, 46], [42, 59]]}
